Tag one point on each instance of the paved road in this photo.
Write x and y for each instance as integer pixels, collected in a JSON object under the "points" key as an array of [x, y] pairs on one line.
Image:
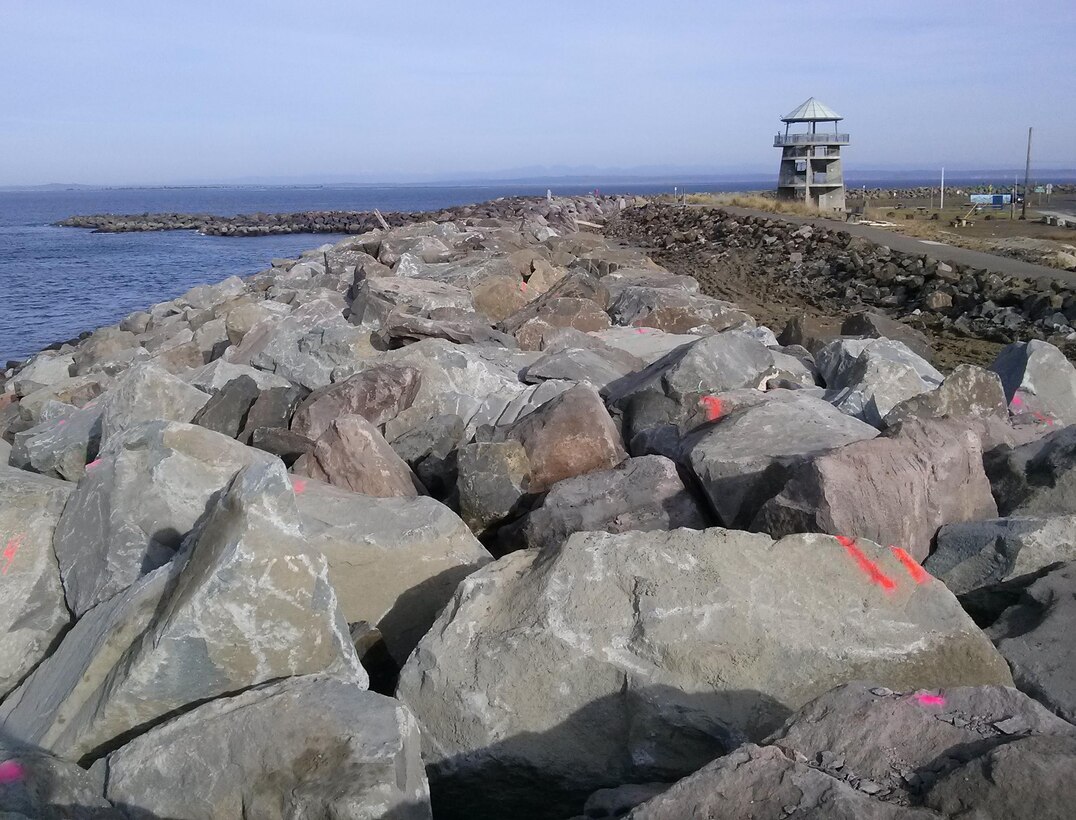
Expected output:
{"points": [[934, 250]]}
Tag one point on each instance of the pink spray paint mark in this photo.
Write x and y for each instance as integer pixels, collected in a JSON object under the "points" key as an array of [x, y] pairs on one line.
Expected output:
{"points": [[11, 771], [61, 422], [875, 575], [1016, 400], [930, 700], [299, 486], [919, 575], [523, 286], [715, 408], [1044, 419], [10, 551], [95, 463]]}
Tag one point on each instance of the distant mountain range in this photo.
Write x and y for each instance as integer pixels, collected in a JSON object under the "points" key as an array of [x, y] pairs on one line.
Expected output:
{"points": [[750, 177]]}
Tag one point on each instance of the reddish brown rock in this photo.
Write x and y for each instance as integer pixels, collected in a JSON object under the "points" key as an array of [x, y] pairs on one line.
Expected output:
{"points": [[568, 436], [894, 490], [378, 394], [352, 454]]}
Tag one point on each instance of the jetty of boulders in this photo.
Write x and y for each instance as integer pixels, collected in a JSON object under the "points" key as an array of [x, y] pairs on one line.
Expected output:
{"points": [[491, 515]]}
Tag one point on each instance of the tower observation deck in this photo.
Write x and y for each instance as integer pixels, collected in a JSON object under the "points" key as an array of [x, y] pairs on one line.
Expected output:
{"points": [[811, 160]]}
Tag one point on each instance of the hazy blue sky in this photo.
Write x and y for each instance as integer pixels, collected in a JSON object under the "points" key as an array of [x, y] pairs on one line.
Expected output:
{"points": [[143, 91]]}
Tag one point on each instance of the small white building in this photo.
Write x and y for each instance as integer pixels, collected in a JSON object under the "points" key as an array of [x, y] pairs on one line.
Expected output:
{"points": [[811, 159]]}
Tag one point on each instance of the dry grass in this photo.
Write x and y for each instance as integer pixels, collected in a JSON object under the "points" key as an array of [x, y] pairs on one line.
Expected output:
{"points": [[756, 202]]}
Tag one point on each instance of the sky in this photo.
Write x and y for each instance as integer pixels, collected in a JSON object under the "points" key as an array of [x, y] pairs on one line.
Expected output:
{"points": [[111, 92]]}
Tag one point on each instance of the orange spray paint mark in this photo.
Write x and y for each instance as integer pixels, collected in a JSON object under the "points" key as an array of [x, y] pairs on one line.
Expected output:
{"points": [[930, 700], [715, 408], [10, 551], [919, 575], [866, 564]]}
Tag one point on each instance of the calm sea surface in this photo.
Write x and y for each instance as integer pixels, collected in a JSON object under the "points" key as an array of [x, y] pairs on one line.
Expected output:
{"points": [[58, 282]]}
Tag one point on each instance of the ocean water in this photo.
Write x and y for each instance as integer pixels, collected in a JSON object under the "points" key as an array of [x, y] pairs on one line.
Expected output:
{"points": [[58, 282]]}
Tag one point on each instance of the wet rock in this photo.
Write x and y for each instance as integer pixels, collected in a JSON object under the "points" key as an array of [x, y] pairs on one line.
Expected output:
{"points": [[393, 562], [302, 748], [623, 638], [132, 509], [352, 454], [747, 454], [1035, 637], [643, 494], [979, 553], [1038, 379], [378, 394], [894, 490], [32, 609], [1035, 478], [194, 630]]}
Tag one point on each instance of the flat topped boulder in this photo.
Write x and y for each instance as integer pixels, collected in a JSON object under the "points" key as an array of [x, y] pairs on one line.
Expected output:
{"points": [[306, 747], [641, 656], [746, 454]]}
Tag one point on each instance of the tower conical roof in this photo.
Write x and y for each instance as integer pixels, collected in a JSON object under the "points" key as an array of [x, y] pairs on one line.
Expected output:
{"points": [[812, 111]]}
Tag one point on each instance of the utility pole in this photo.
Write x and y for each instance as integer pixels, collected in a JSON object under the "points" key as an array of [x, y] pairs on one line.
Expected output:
{"points": [[942, 206], [1027, 175], [1012, 200]]}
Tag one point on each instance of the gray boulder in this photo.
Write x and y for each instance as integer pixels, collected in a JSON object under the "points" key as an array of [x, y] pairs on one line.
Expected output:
{"points": [[764, 782], [641, 656], [1038, 379], [147, 393], [377, 298], [975, 554], [868, 378], [1035, 636], [648, 344], [35, 785], [1036, 478], [393, 562], [879, 326], [32, 609], [226, 411], [136, 503], [215, 375], [577, 365], [493, 483], [903, 743], [306, 747], [896, 490], [968, 391], [249, 604], [745, 456], [642, 494], [44, 369], [61, 446]]}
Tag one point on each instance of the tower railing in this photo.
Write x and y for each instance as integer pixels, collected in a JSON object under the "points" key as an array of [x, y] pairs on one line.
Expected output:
{"points": [[781, 140]]}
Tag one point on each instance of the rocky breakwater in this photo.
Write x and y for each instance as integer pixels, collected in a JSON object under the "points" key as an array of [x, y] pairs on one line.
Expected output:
{"points": [[838, 273], [479, 518], [561, 213]]}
